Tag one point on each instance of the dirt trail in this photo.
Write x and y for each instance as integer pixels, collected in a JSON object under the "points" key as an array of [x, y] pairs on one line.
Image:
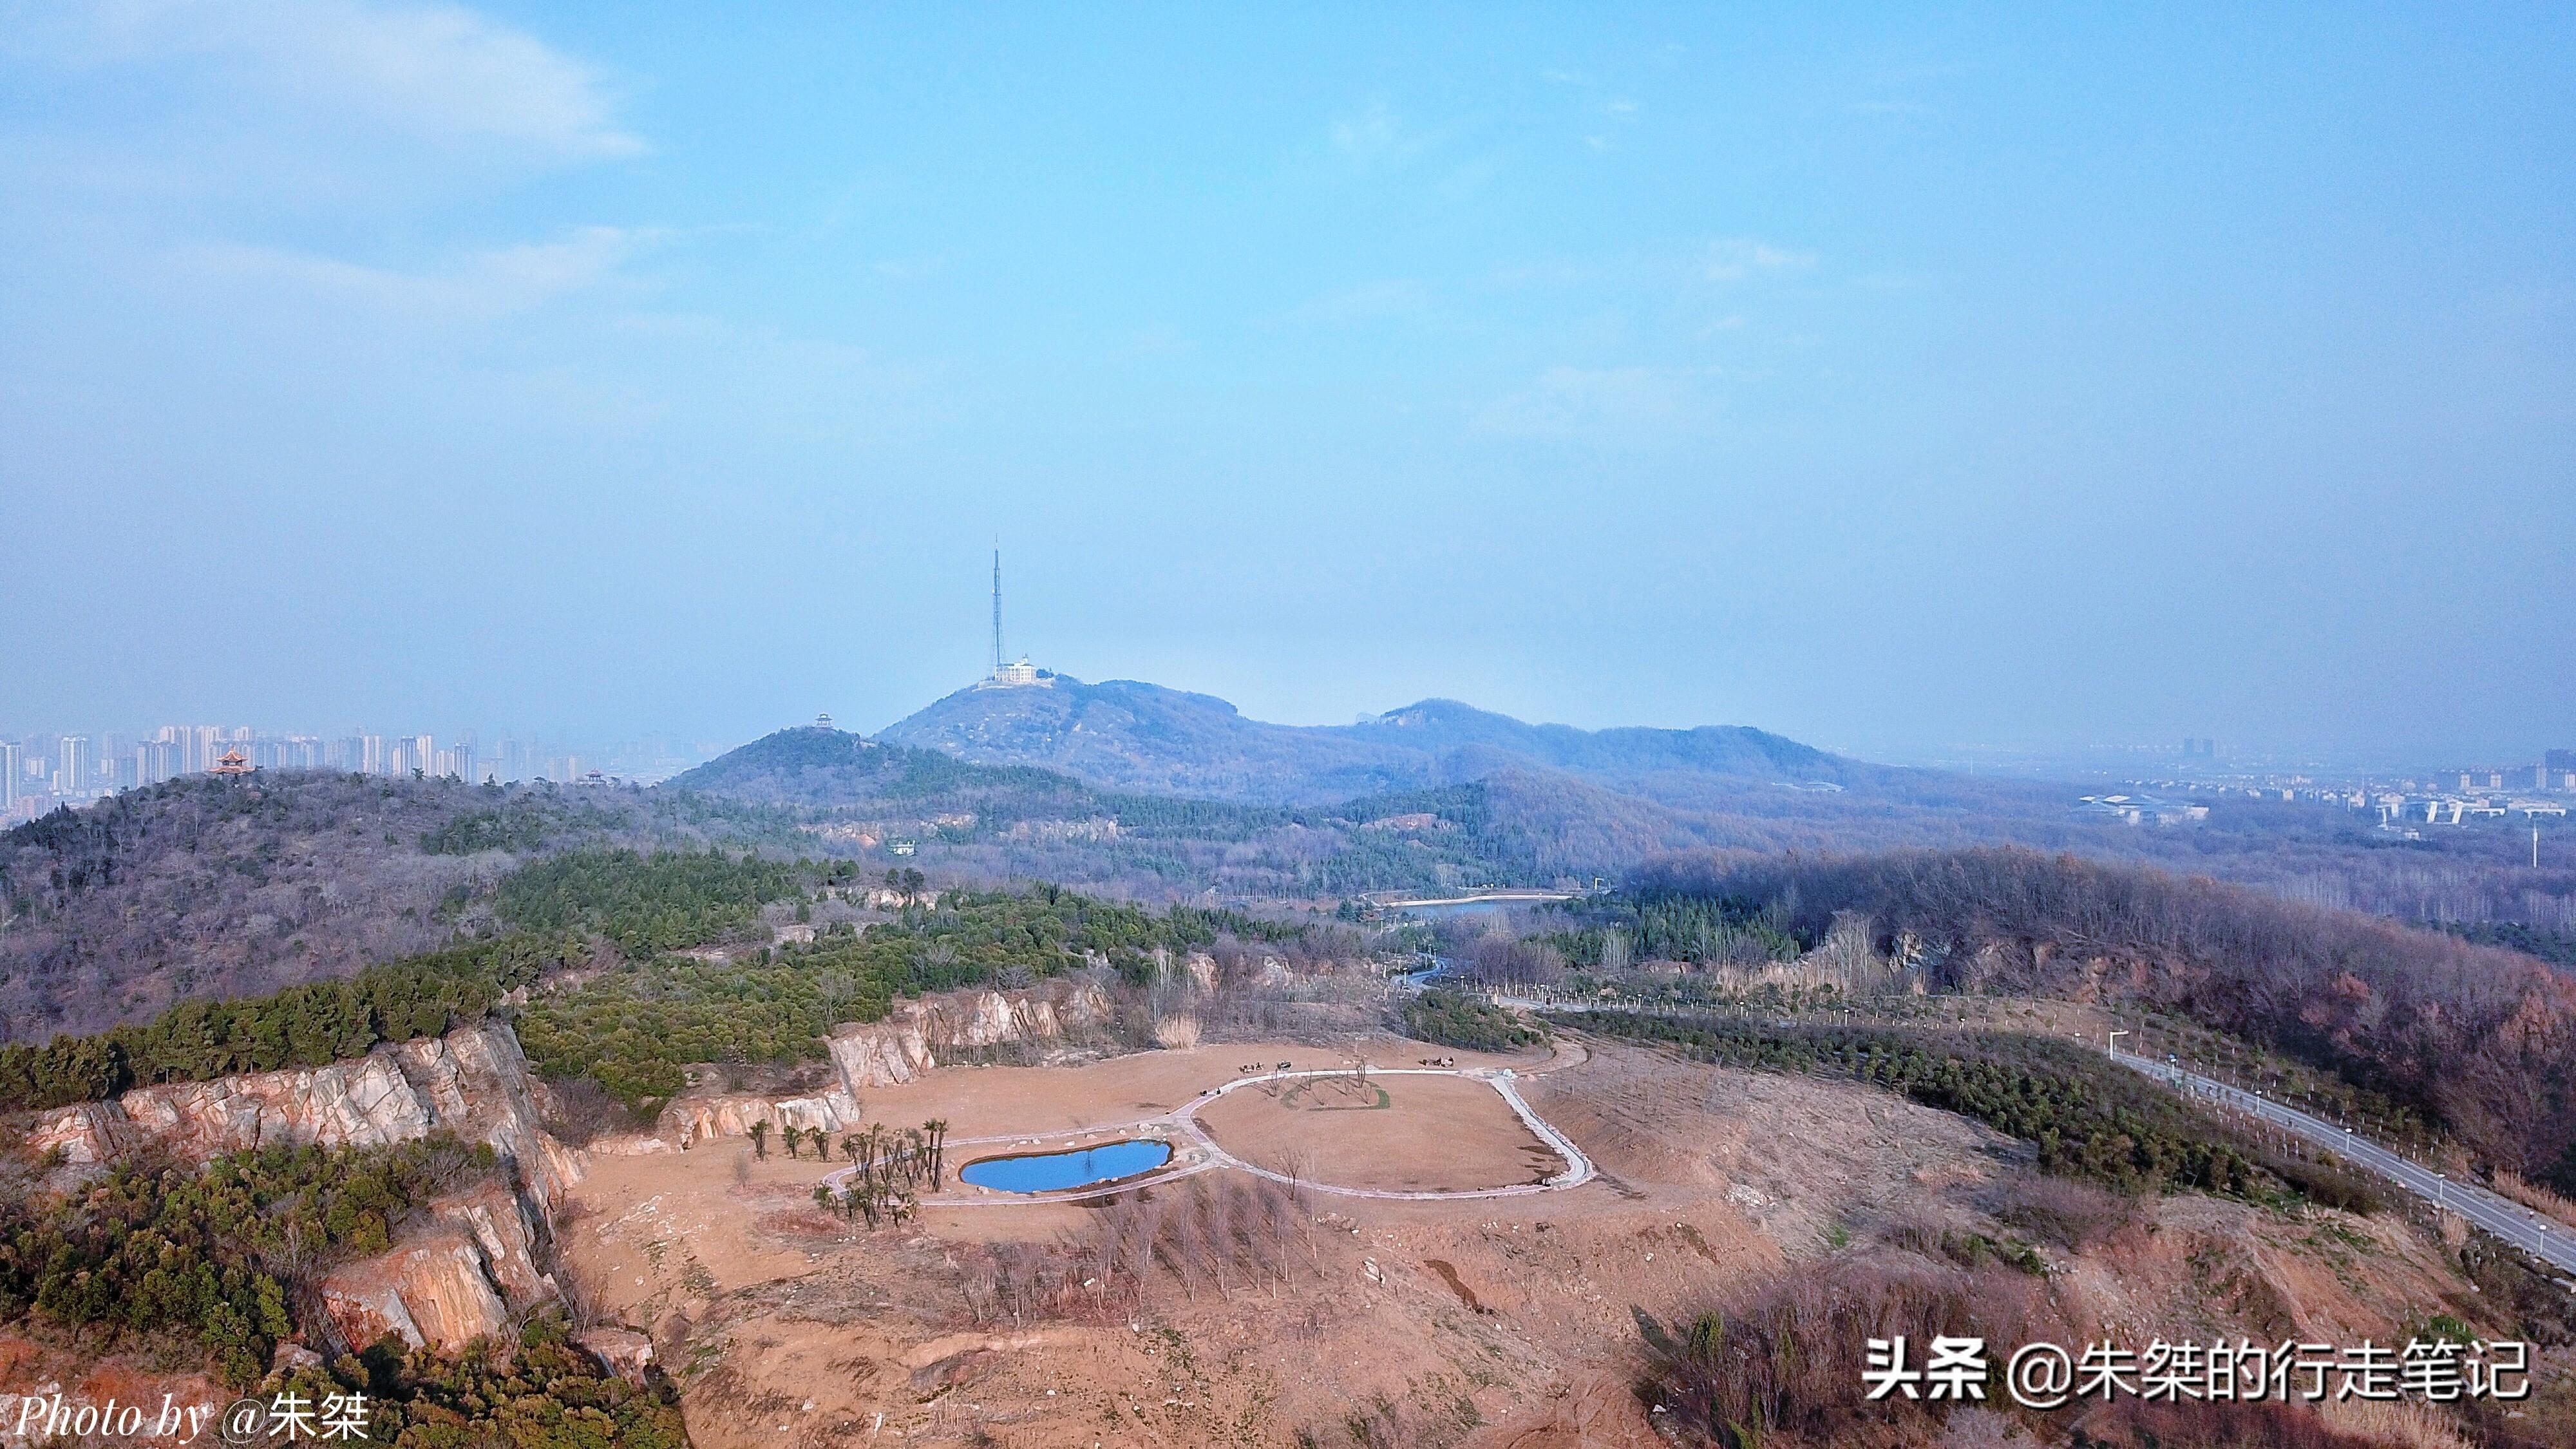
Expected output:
{"points": [[1488, 1323]]}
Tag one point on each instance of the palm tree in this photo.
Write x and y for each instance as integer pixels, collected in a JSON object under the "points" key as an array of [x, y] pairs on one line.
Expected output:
{"points": [[936, 1129], [760, 1140]]}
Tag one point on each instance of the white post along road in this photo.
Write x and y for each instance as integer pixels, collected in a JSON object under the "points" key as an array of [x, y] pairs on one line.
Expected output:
{"points": [[2509, 1220], [2521, 1226]]}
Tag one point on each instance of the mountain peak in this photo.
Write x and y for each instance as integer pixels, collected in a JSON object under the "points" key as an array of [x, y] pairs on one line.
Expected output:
{"points": [[1129, 734]]}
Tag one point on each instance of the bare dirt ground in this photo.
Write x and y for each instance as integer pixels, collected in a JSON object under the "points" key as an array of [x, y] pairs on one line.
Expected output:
{"points": [[1497, 1324], [1399, 1133]]}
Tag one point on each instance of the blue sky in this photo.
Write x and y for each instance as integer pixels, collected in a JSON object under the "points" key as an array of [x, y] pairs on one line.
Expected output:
{"points": [[1895, 381]]}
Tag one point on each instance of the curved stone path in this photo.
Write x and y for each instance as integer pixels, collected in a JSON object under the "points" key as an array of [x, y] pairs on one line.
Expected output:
{"points": [[1181, 1127]]}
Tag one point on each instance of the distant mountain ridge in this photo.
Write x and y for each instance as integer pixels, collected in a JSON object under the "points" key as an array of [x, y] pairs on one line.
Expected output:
{"points": [[1128, 735]]}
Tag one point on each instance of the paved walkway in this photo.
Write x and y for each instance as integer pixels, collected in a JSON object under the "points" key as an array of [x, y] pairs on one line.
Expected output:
{"points": [[2505, 1218], [1181, 1127], [2521, 1226]]}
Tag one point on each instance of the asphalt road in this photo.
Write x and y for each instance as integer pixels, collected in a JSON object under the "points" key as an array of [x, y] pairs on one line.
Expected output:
{"points": [[2503, 1217]]}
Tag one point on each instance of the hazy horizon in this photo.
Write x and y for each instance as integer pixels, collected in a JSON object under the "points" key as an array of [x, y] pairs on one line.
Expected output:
{"points": [[1888, 383]]}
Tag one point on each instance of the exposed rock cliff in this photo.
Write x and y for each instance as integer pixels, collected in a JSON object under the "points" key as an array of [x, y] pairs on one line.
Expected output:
{"points": [[695, 1119], [472, 1082], [882, 1054], [462, 1277], [458, 1281], [904, 1045]]}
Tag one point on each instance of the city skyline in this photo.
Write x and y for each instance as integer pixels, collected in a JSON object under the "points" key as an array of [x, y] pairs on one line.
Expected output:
{"points": [[43, 769]]}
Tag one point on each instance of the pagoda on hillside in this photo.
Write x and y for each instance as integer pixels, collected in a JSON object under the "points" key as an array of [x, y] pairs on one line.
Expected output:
{"points": [[233, 763]]}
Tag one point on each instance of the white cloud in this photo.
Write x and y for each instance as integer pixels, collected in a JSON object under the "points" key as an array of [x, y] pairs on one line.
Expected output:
{"points": [[433, 72], [480, 286], [1379, 139], [1736, 258], [1614, 406]]}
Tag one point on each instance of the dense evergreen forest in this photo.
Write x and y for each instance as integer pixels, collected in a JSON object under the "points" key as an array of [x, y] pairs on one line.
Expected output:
{"points": [[636, 1028], [648, 903], [158, 1247], [1607, 932], [1464, 1020], [302, 1026]]}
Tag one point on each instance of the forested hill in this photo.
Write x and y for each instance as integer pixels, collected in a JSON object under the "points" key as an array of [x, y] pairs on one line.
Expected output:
{"points": [[208, 887], [2474, 1038], [1126, 735], [818, 765]]}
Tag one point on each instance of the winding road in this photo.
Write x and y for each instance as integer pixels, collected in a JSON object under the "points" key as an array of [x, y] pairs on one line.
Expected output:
{"points": [[2523, 1227], [2509, 1220]]}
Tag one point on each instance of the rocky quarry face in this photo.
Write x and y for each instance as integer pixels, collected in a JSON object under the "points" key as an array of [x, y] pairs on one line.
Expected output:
{"points": [[884, 1053], [468, 1273], [905, 1044], [478, 1261]]}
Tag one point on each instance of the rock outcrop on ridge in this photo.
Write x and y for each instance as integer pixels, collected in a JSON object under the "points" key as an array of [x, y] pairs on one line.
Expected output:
{"points": [[459, 1280], [884, 1053], [905, 1044]]}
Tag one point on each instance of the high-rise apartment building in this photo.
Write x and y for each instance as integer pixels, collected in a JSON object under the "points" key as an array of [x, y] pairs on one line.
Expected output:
{"points": [[155, 761], [197, 746], [10, 766], [73, 776]]}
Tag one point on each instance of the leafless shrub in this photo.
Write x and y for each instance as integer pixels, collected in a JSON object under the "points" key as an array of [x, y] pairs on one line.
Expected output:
{"points": [[2061, 1210], [1223, 1236], [580, 1111], [1501, 958], [1788, 1359]]}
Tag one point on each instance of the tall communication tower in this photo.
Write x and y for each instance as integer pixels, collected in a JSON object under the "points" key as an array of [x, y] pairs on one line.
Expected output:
{"points": [[997, 613]]}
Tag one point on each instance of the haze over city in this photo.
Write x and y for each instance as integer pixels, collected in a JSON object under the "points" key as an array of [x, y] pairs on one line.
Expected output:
{"points": [[1901, 384], [1360, 727]]}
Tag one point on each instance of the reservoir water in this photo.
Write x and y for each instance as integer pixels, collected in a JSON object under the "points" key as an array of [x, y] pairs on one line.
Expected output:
{"points": [[1054, 1171]]}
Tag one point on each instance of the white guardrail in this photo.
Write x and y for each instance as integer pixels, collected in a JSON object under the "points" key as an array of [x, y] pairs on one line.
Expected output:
{"points": [[2523, 1227]]}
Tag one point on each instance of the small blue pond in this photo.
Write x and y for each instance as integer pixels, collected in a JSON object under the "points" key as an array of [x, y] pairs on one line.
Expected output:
{"points": [[1053, 1171]]}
